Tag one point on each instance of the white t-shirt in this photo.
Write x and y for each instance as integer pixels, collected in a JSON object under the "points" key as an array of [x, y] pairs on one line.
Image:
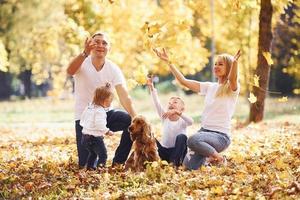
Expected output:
{"points": [[218, 111], [87, 79], [93, 120], [171, 129]]}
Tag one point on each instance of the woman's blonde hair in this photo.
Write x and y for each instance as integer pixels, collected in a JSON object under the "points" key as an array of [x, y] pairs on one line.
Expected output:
{"points": [[224, 89], [102, 93]]}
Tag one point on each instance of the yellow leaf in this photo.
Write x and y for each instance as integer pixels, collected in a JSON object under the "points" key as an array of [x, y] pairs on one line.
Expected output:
{"points": [[163, 162], [145, 28], [256, 80], [268, 58], [279, 164], [252, 98], [217, 190], [239, 158], [183, 25], [283, 99], [154, 29], [154, 164], [296, 91]]}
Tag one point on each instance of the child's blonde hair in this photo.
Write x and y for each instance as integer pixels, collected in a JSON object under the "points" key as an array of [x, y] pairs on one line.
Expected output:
{"points": [[224, 89], [180, 99], [102, 93]]}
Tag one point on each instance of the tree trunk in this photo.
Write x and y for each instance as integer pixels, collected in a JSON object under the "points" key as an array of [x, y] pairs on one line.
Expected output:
{"points": [[263, 69], [26, 80], [5, 85]]}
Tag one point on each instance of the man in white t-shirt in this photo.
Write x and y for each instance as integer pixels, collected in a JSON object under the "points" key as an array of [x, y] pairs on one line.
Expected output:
{"points": [[91, 69]]}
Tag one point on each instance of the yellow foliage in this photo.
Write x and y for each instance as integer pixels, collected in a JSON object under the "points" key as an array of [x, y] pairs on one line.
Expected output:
{"points": [[3, 58], [283, 99]]}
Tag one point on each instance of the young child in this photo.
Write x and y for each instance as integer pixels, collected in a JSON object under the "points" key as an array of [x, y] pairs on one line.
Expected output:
{"points": [[173, 146], [93, 121], [219, 105]]}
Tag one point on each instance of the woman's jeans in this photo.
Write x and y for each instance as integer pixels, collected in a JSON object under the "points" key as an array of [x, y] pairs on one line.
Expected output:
{"points": [[203, 144]]}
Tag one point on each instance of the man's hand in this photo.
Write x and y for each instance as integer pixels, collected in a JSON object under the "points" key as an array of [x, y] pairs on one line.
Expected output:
{"points": [[89, 45]]}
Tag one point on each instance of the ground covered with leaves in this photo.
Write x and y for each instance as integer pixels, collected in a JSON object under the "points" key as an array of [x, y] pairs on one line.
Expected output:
{"points": [[39, 160]]}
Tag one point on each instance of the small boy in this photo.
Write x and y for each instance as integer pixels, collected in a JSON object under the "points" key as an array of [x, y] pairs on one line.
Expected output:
{"points": [[173, 146]]}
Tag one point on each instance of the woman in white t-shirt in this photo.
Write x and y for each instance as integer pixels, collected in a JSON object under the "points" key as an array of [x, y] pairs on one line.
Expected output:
{"points": [[219, 106]]}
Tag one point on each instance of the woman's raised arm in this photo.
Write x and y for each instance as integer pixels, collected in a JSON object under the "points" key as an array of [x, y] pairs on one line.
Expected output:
{"points": [[191, 84]]}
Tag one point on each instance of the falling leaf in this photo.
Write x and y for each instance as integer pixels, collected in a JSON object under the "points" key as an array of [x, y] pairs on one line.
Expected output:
{"points": [[183, 25], [145, 28], [256, 80], [268, 58], [154, 29], [283, 99], [252, 98]]}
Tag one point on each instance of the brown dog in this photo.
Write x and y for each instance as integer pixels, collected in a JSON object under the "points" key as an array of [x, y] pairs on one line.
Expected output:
{"points": [[144, 144]]}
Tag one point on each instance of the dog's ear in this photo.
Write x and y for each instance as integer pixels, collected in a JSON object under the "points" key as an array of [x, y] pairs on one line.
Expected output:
{"points": [[146, 128], [146, 131]]}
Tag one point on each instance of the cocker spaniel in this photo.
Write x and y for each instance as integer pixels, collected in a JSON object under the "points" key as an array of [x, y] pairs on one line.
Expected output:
{"points": [[144, 145]]}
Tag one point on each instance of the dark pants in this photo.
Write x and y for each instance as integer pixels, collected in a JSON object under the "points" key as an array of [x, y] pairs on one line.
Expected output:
{"points": [[175, 154], [116, 121], [96, 148]]}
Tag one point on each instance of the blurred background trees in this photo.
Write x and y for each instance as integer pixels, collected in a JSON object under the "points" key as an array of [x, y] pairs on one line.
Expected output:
{"points": [[38, 39]]}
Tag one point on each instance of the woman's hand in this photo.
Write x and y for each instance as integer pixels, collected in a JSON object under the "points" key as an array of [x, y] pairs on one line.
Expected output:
{"points": [[162, 55], [233, 74], [237, 56]]}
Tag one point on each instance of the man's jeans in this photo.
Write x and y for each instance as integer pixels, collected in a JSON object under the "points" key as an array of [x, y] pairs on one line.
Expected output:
{"points": [[202, 145], [116, 121]]}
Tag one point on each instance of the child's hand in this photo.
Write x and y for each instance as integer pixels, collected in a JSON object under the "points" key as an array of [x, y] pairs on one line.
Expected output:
{"points": [[150, 82], [170, 113], [109, 133]]}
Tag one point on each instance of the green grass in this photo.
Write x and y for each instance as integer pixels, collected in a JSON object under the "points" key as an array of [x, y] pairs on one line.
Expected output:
{"points": [[61, 111]]}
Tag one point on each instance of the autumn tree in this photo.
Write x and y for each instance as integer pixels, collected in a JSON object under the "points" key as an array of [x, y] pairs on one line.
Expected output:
{"points": [[263, 67]]}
